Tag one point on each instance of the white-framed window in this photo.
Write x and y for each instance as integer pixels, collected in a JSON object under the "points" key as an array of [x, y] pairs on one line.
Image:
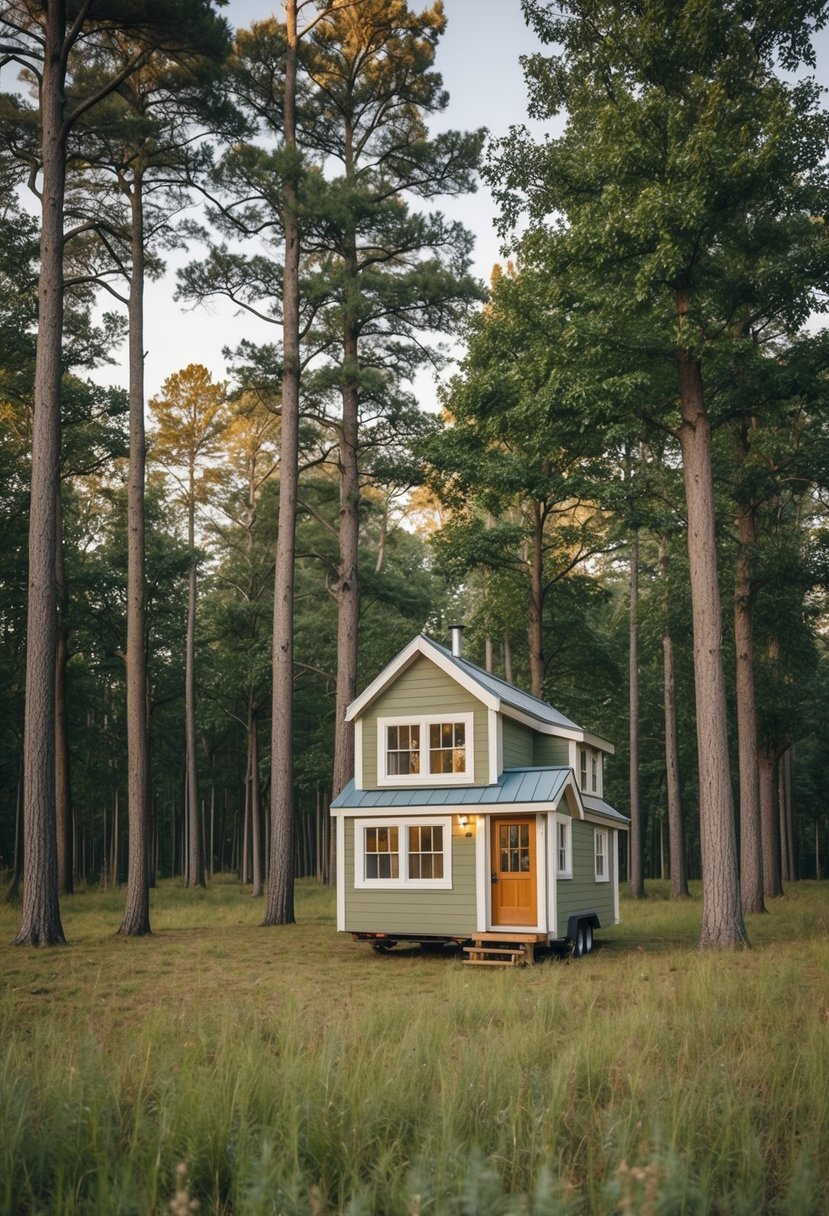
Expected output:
{"points": [[564, 846], [594, 772], [430, 749], [583, 768], [405, 852], [601, 855]]}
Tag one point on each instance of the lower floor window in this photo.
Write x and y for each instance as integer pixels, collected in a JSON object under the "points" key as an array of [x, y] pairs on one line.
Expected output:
{"points": [[404, 852], [382, 853]]}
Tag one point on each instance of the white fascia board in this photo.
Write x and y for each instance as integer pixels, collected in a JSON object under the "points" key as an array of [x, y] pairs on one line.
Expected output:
{"points": [[600, 822], [478, 809], [418, 646]]}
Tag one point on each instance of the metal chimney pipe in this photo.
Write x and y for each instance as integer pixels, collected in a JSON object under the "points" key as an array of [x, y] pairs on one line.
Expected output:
{"points": [[456, 632]]}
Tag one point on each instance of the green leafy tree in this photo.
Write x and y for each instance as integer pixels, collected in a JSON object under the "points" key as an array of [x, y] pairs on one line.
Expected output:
{"points": [[41, 38], [683, 150]]}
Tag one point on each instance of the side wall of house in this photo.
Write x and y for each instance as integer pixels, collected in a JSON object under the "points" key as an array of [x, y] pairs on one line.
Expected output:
{"points": [[424, 689], [550, 750], [582, 893], [518, 744], [449, 913]]}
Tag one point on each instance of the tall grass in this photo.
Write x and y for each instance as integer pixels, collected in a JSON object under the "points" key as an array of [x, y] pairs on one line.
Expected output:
{"points": [[293, 1071]]}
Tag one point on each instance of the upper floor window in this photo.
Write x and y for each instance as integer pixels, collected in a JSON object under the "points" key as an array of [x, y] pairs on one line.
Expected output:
{"points": [[594, 772], [583, 768], [427, 749]]}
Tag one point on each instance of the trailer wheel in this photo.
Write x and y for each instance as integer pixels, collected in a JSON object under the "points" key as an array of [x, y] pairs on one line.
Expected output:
{"points": [[588, 937], [383, 947], [580, 943]]}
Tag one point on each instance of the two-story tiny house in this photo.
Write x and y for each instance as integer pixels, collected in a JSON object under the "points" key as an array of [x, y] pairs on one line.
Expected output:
{"points": [[476, 813]]}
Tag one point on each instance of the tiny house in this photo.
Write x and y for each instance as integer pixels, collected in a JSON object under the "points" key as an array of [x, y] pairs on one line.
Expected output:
{"points": [[476, 815]]}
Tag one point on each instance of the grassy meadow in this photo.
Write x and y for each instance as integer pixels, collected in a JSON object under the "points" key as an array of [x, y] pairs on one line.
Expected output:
{"points": [[225, 1068]]}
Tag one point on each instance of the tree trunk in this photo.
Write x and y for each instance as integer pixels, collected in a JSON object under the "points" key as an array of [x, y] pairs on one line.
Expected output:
{"points": [[195, 856], [348, 588], [255, 799], [770, 825], [63, 786], [40, 923], [676, 826], [751, 850], [636, 876], [279, 904], [536, 611], [722, 918], [136, 919]]}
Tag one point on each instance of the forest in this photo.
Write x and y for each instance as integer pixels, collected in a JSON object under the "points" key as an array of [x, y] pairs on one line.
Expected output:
{"points": [[623, 497]]}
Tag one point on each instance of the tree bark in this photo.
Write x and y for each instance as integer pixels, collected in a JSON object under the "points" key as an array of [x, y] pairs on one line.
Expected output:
{"points": [[676, 826], [636, 876], [136, 919], [722, 918], [63, 784], [770, 824], [40, 923], [195, 856], [536, 609], [255, 798], [751, 851], [279, 903]]}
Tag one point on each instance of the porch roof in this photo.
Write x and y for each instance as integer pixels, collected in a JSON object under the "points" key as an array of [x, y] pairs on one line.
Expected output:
{"points": [[515, 786]]}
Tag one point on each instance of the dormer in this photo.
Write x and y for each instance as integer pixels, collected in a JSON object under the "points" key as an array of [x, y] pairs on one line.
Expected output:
{"points": [[433, 719]]}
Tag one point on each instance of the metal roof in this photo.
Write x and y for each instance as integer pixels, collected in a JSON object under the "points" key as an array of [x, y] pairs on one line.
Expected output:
{"points": [[597, 806], [515, 786], [507, 693]]}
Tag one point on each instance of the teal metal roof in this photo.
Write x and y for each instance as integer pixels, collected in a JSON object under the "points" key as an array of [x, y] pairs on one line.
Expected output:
{"points": [[516, 785], [597, 806], [508, 694]]}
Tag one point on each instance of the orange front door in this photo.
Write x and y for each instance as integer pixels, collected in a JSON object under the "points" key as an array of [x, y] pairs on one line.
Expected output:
{"points": [[514, 898]]}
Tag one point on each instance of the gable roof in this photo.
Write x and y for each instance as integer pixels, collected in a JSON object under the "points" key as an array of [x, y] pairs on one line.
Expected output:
{"points": [[495, 693]]}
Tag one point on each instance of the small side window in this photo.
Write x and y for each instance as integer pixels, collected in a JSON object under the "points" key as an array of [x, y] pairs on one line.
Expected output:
{"points": [[564, 838], [600, 855]]}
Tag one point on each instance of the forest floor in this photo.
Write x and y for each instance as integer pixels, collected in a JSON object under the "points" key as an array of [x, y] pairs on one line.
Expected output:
{"points": [[290, 1070]]}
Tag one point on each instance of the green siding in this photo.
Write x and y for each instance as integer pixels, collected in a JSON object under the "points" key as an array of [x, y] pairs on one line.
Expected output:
{"points": [[518, 744], [449, 913], [550, 750], [424, 689], [582, 893]]}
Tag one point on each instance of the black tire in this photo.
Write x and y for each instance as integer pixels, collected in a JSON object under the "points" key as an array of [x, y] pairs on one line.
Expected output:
{"points": [[579, 945], [588, 938]]}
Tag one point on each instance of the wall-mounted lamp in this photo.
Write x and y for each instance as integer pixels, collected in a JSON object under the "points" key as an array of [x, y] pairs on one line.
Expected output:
{"points": [[465, 823]]}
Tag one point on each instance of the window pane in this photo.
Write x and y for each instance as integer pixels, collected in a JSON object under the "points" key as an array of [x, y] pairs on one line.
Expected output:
{"points": [[425, 851], [402, 750], [382, 859], [447, 751]]}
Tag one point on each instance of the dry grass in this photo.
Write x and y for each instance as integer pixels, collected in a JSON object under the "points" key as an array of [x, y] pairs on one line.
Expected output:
{"points": [[294, 1071]]}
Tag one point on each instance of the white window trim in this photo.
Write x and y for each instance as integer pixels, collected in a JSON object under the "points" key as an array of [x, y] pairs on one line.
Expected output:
{"points": [[564, 821], [424, 721], [604, 835], [402, 824]]}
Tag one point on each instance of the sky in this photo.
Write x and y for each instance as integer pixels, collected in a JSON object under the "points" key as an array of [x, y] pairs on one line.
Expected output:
{"points": [[479, 59]]}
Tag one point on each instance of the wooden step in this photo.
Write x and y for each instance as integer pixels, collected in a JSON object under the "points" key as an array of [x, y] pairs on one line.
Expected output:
{"points": [[508, 954]]}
